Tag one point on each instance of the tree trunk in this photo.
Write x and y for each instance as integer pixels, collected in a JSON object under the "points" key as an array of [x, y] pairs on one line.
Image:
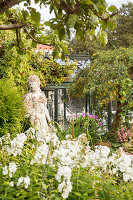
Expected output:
{"points": [[118, 117]]}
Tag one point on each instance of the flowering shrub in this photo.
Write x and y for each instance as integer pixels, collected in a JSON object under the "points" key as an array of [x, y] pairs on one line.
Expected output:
{"points": [[89, 124], [123, 135], [37, 165]]}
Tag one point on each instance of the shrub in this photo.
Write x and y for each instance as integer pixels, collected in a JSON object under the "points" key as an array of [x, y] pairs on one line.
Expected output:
{"points": [[11, 108]]}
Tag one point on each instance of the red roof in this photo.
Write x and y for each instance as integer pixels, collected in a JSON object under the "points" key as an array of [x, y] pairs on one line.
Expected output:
{"points": [[44, 47]]}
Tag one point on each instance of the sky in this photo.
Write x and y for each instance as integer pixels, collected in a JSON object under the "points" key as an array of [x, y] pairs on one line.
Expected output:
{"points": [[46, 16]]}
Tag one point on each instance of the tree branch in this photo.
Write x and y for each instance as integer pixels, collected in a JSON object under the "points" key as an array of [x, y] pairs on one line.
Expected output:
{"points": [[66, 8], [18, 43], [100, 17], [6, 4], [11, 26], [34, 38]]}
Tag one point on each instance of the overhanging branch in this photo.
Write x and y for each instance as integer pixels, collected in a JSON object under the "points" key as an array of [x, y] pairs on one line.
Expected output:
{"points": [[6, 4], [11, 26], [34, 38]]}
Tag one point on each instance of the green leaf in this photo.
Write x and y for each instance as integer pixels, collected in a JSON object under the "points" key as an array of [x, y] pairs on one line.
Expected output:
{"points": [[72, 20], [104, 25], [111, 25], [62, 56], [35, 16], [61, 33], [101, 8], [36, 1], [54, 54], [87, 2], [103, 37], [78, 194], [25, 14], [34, 44], [112, 8], [82, 182], [47, 23], [44, 186]]}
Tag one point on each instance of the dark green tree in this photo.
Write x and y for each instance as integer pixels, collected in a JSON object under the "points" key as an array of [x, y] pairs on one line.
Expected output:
{"points": [[122, 35]]}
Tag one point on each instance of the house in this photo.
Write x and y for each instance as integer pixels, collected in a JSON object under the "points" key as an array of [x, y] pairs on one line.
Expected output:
{"points": [[46, 49]]}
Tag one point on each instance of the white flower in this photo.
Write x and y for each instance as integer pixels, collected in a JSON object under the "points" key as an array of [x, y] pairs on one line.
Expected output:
{"points": [[5, 170], [41, 154], [12, 167], [65, 194], [11, 183], [114, 170], [20, 180], [27, 181], [64, 171], [17, 144], [126, 177], [61, 185]]}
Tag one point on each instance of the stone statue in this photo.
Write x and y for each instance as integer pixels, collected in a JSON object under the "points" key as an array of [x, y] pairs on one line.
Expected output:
{"points": [[35, 102]]}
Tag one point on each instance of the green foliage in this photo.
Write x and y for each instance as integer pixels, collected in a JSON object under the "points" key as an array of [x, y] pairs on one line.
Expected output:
{"points": [[11, 108], [109, 78], [82, 16], [88, 185], [122, 35], [30, 62], [31, 32], [49, 70], [85, 123], [118, 34]]}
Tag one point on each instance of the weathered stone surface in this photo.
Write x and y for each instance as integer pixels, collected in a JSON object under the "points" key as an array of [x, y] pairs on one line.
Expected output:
{"points": [[35, 103]]}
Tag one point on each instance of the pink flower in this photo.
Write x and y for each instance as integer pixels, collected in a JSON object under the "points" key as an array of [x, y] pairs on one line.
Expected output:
{"points": [[83, 114], [128, 134], [95, 116]]}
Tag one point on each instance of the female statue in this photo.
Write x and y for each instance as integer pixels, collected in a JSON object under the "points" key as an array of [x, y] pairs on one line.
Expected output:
{"points": [[35, 102]]}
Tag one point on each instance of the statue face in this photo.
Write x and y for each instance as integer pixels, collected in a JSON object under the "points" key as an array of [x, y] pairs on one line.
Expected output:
{"points": [[33, 83], [34, 86]]}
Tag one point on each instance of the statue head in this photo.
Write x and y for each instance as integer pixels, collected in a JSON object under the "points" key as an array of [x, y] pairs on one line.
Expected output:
{"points": [[33, 83]]}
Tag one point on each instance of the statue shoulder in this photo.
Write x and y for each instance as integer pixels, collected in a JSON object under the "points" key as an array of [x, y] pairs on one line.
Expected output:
{"points": [[27, 96]]}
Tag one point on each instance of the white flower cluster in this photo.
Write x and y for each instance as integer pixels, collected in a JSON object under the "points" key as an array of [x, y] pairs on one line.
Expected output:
{"points": [[67, 155], [124, 164], [45, 140], [17, 144], [11, 169], [73, 153], [43, 135], [41, 154], [24, 180], [70, 152], [65, 173], [97, 158]]}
